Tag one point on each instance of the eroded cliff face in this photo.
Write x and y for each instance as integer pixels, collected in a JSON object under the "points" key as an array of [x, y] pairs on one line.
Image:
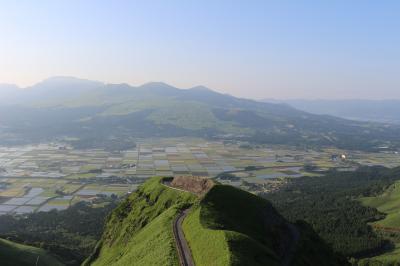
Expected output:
{"points": [[196, 185]]}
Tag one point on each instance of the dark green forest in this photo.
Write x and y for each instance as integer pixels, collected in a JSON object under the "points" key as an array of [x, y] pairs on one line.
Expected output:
{"points": [[70, 234], [329, 204]]}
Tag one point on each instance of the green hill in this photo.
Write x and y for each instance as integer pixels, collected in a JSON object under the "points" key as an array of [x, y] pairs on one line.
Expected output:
{"points": [[139, 231], [13, 254], [226, 226], [388, 203]]}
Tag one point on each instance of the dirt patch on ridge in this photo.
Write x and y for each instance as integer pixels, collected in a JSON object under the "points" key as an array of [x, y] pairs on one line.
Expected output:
{"points": [[196, 185]]}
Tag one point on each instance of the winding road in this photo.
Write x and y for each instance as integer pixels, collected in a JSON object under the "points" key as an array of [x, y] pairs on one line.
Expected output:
{"points": [[185, 255], [184, 252]]}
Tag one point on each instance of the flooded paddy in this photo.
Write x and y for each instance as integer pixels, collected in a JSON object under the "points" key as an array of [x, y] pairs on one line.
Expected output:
{"points": [[55, 176]]}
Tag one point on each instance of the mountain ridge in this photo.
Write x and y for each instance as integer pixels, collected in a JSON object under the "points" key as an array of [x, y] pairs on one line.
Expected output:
{"points": [[79, 108], [218, 229]]}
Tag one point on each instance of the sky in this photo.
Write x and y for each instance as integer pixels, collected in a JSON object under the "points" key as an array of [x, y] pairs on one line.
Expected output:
{"points": [[252, 49]]}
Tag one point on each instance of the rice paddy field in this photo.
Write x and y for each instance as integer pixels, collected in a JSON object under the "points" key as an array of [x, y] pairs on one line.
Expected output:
{"points": [[55, 176]]}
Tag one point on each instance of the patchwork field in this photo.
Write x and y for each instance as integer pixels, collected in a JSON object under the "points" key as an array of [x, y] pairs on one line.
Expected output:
{"points": [[55, 176]]}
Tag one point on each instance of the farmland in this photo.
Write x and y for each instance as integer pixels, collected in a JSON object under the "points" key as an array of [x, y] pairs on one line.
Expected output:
{"points": [[56, 176]]}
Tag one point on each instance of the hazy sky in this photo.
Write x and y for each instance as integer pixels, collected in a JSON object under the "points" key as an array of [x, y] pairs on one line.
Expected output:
{"points": [[253, 49]]}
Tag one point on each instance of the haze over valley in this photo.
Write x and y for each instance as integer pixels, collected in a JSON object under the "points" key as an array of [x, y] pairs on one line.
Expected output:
{"points": [[385, 111], [199, 133], [63, 108]]}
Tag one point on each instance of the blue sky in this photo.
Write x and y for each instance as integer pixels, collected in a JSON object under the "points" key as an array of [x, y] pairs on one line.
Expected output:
{"points": [[253, 49]]}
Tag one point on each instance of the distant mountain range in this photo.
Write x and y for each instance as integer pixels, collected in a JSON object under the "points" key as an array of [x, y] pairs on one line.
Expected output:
{"points": [[387, 111], [91, 111]]}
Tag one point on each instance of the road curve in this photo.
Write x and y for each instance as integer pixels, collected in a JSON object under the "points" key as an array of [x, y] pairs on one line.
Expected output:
{"points": [[185, 255]]}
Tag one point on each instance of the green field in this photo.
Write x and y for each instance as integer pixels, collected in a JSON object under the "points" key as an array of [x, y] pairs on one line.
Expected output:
{"points": [[388, 203], [13, 254], [81, 176], [140, 229]]}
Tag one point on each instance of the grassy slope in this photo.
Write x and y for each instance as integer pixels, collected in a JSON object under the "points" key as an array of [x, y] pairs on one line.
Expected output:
{"points": [[233, 227], [187, 115], [245, 230], [388, 203], [209, 247], [13, 254], [227, 227], [217, 222], [139, 232]]}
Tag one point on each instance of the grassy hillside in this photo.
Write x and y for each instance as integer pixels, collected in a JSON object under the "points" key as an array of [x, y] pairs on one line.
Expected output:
{"points": [[209, 247], [13, 254], [388, 203], [232, 227], [231, 220], [227, 226], [139, 231]]}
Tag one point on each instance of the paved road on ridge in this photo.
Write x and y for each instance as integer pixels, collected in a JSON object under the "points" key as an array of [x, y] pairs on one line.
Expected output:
{"points": [[184, 252], [185, 255]]}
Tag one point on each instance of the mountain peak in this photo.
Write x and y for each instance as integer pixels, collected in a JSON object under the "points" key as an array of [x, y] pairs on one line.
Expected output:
{"points": [[201, 88], [160, 88], [157, 84]]}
